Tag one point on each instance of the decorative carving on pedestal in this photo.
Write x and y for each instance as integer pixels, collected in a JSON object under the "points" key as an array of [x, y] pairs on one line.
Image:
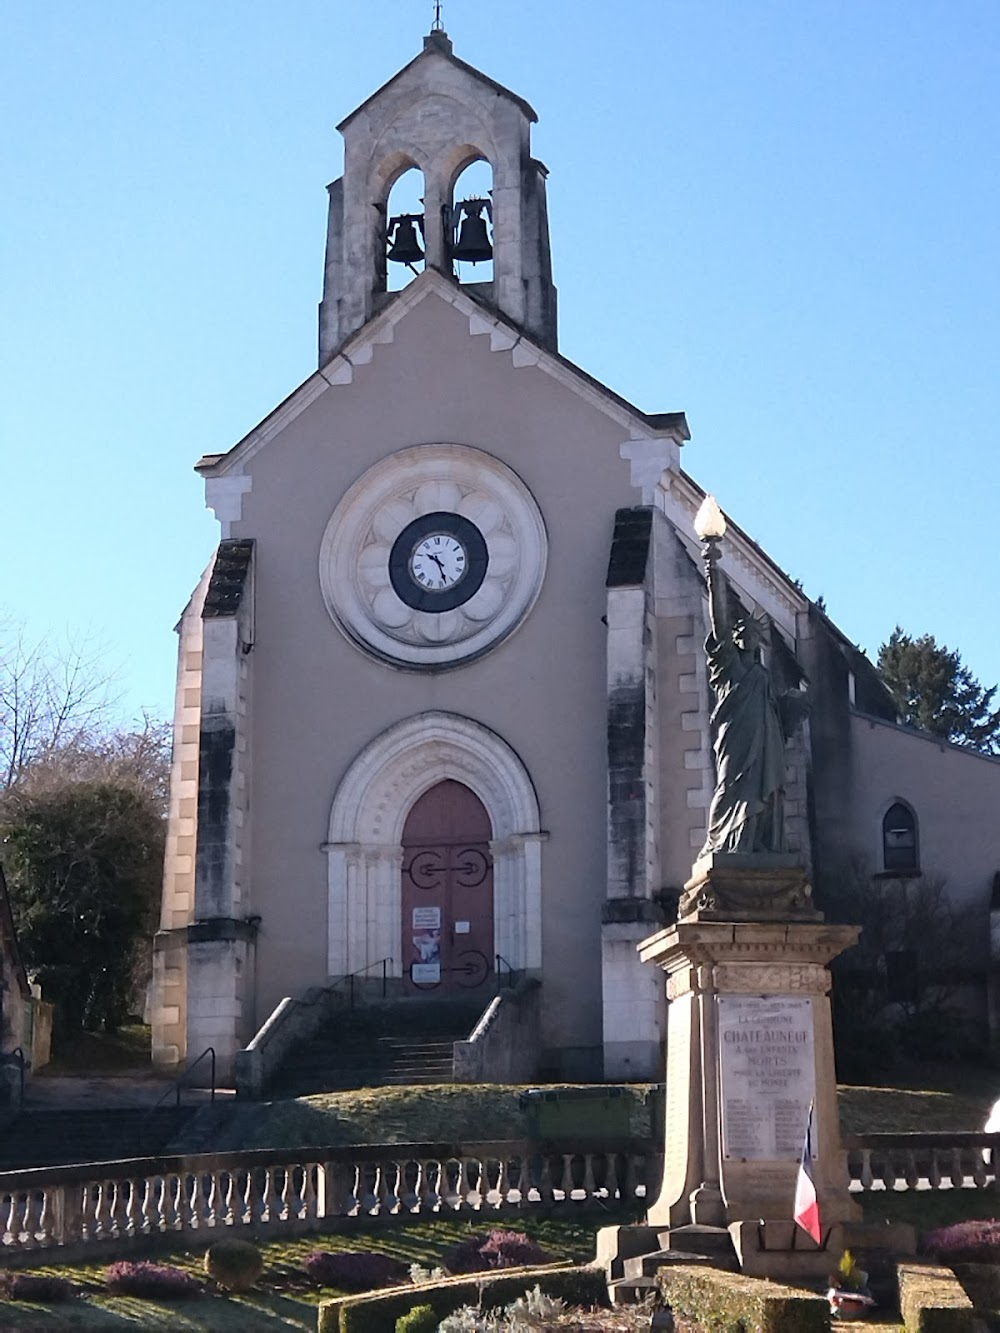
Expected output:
{"points": [[772, 979], [748, 887]]}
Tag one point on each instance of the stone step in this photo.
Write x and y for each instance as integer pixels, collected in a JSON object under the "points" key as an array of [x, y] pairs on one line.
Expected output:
{"points": [[630, 1291], [648, 1265], [714, 1243]]}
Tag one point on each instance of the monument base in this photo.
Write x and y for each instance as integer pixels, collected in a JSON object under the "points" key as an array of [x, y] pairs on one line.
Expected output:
{"points": [[750, 1046]]}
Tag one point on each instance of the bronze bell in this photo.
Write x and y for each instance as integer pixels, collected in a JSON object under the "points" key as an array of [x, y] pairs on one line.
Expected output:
{"points": [[473, 242], [404, 247]]}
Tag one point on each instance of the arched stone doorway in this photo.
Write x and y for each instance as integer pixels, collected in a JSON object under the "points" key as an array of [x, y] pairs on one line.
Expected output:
{"points": [[365, 847], [447, 892]]}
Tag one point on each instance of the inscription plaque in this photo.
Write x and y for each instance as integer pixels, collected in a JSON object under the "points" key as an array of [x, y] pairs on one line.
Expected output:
{"points": [[767, 1065]]}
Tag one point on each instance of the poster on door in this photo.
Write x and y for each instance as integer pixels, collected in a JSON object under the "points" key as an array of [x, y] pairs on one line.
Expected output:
{"points": [[426, 934]]}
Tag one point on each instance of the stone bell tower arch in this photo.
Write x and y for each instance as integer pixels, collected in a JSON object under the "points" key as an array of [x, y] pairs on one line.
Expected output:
{"points": [[437, 114]]}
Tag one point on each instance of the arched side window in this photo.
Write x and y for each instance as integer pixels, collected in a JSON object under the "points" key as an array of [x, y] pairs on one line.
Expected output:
{"points": [[899, 841]]}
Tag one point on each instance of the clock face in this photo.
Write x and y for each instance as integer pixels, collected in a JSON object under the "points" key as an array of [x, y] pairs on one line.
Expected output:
{"points": [[438, 562]]}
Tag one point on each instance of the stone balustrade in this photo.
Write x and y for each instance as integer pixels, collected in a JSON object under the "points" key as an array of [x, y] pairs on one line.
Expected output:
{"points": [[110, 1207], [921, 1161]]}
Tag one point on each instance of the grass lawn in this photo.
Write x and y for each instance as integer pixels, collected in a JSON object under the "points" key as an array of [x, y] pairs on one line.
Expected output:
{"points": [[437, 1113], [924, 1097], [921, 1098], [284, 1297]]}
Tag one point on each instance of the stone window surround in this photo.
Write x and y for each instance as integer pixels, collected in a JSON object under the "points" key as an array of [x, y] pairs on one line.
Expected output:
{"points": [[900, 872], [365, 854]]}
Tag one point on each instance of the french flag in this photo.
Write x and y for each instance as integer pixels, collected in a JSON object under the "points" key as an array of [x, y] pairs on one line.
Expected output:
{"points": [[806, 1211]]}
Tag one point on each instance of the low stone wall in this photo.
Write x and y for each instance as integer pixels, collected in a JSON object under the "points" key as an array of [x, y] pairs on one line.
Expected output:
{"points": [[293, 1021], [932, 1300], [505, 1044]]}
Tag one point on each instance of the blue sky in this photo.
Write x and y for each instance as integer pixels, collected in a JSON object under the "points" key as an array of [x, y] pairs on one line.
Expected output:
{"points": [[780, 217]]}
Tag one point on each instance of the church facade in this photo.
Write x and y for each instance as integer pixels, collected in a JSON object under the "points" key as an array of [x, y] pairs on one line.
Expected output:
{"points": [[442, 705]]}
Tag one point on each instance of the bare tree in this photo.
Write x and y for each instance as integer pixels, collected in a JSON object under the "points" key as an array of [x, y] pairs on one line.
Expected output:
{"points": [[51, 699]]}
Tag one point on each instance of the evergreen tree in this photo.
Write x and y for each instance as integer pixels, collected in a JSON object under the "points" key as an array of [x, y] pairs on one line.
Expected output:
{"points": [[934, 691]]}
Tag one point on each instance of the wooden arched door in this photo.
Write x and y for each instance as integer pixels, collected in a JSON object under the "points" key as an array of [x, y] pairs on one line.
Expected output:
{"points": [[447, 892]]}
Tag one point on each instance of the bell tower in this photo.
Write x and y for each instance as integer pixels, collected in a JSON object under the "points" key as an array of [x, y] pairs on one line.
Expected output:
{"points": [[439, 115]]}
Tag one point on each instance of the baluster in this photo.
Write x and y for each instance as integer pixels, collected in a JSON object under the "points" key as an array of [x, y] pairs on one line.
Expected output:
{"points": [[269, 1196], [546, 1187], [119, 1207], [9, 1236], [957, 1169], [475, 1174], [132, 1216], [910, 1172], [566, 1183], [500, 1188], [102, 1214], [32, 1215], [463, 1188], [934, 1173], [227, 1183], [867, 1176], [152, 1216], [310, 1192], [191, 1202], [422, 1187], [611, 1178], [588, 1186], [394, 1199], [380, 1190], [978, 1169], [247, 1200], [287, 1209], [516, 1192], [45, 1219], [434, 1182], [212, 1200]]}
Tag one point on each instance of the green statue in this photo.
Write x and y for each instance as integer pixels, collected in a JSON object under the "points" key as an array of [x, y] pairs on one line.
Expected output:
{"points": [[751, 724]]}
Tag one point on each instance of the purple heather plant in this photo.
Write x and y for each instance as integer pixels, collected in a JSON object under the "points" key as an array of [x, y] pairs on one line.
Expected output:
{"points": [[498, 1249], [355, 1270], [157, 1282], [966, 1242], [36, 1287]]}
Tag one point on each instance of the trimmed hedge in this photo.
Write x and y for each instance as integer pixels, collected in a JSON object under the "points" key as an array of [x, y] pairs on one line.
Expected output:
{"points": [[932, 1300], [378, 1311], [733, 1303]]}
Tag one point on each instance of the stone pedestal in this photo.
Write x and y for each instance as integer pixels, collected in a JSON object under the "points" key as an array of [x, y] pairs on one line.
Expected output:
{"points": [[750, 1043]]}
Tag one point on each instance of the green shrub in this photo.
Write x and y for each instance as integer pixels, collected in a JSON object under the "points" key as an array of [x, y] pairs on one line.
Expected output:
{"points": [[932, 1300], [421, 1319], [235, 1264], [732, 1303]]}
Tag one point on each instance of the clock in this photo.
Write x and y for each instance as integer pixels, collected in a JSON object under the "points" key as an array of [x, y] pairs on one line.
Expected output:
{"points": [[433, 556], [438, 562]]}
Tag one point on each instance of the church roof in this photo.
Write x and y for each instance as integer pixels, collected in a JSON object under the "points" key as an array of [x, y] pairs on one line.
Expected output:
{"points": [[437, 43], [229, 576], [339, 368]]}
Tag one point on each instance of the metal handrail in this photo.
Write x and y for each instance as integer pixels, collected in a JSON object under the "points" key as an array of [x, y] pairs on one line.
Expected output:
{"points": [[360, 973], [511, 971], [16, 1056], [175, 1090]]}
